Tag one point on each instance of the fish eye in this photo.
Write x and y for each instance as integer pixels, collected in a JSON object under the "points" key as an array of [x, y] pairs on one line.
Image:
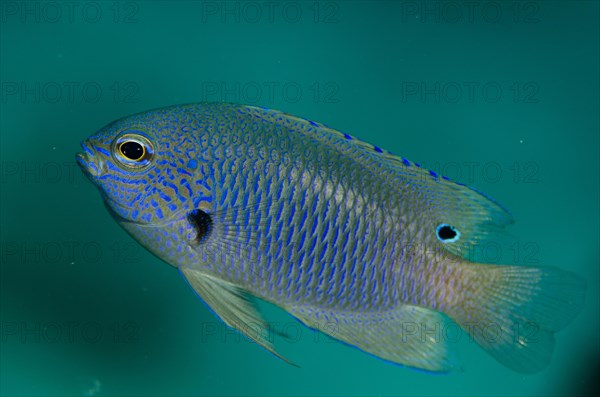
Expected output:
{"points": [[447, 233], [133, 150]]}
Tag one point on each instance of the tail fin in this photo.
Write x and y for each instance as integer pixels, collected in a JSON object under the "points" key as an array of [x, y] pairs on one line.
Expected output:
{"points": [[513, 312]]}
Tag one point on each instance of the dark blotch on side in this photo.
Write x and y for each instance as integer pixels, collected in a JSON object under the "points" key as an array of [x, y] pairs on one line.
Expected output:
{"points": [[202, 223]]}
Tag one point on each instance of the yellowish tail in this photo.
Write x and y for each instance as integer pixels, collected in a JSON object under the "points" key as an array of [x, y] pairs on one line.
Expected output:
{"points": [[513, 311]]}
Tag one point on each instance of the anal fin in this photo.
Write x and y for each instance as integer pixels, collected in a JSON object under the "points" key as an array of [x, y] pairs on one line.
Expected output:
{"points": [[232, 305], [407, 335]]}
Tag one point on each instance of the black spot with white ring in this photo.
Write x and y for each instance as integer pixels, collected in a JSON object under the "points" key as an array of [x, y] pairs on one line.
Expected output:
{"points": [[447, 233]]}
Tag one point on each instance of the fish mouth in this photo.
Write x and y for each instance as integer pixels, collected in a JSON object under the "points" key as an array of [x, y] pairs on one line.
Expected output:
{"points": [[86, 161]]}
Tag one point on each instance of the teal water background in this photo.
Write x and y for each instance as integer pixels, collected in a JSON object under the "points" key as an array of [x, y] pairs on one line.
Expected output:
{"points": [[502, 96]]}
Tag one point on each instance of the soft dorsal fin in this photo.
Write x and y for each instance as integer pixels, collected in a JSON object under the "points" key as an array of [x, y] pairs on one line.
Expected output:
{"points": [[479, 219], [407, 335], [232, 305]]}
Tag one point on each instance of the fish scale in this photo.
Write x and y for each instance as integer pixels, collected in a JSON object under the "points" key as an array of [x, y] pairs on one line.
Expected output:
{"points": [[342, 234]]}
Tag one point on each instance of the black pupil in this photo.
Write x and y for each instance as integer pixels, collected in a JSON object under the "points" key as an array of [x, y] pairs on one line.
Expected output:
{"points": [[132, 150], [446, 232]]}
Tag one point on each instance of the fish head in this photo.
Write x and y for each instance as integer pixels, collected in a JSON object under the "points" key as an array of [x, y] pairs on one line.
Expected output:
{"points": [[151, 175]]}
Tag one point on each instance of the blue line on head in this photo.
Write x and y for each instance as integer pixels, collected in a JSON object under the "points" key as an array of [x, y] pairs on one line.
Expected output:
{"points": [[102, 150]]}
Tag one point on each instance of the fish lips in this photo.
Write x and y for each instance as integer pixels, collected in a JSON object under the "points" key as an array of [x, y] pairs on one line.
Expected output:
{"points": [[86, 161]]}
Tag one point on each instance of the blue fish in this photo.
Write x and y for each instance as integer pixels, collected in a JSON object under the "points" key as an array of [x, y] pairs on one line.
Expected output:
{"points": [[353, 241]]}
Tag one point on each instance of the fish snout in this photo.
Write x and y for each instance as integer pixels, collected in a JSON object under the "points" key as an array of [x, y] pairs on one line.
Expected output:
{"points": [[87, 160]]}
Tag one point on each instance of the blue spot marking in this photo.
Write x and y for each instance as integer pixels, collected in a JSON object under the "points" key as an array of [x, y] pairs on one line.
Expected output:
{"points": [[192, 164], [159, 213], [445, 177], [418, 165], [433, 174], [406, 162], [347, 136], [378, 150]]}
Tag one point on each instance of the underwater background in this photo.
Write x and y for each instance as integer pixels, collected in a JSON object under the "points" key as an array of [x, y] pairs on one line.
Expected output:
{"points": [[502, 96]]}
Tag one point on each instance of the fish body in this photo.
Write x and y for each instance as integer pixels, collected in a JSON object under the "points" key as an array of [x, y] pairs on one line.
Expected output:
{"points": [[347, 237]]}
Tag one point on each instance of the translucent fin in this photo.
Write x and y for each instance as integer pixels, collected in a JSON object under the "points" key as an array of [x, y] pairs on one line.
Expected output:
{"points": [[407, 335], [232, 306], [515, 313]]}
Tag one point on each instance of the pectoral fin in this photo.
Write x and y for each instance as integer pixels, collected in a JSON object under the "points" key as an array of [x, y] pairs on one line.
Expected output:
{"points": [[232, 305]]}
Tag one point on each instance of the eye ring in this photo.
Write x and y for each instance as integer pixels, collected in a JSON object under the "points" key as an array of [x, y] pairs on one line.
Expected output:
{"points": [[133, 150]]}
